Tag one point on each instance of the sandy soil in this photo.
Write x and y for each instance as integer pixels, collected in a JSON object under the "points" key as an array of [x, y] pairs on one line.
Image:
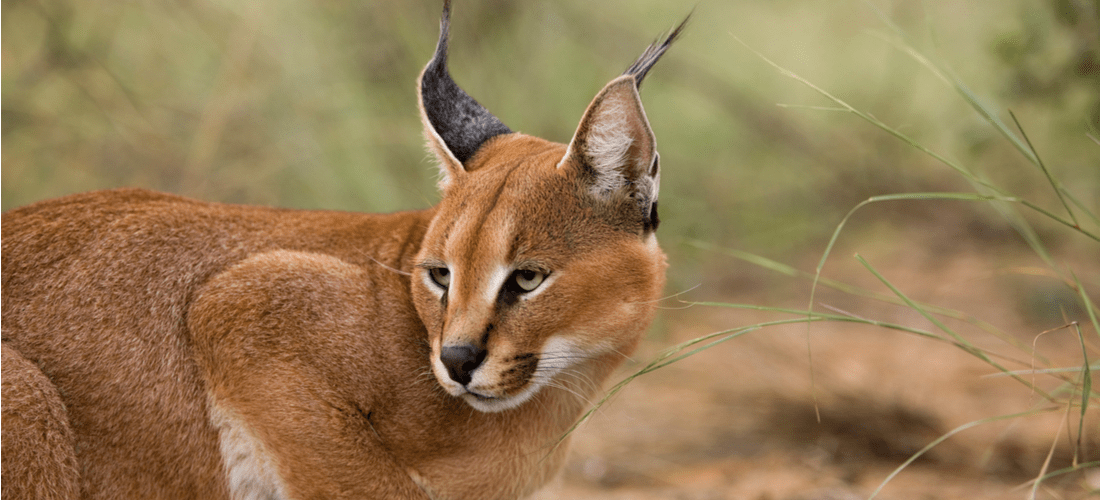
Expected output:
{"points": [[738, 420]]}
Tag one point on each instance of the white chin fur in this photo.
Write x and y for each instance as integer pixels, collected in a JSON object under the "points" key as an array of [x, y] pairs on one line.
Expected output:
{"points": [[495, 405]]}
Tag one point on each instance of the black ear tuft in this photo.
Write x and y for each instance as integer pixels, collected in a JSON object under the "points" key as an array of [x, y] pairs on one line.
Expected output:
{"points": [[459, 121], [652, 53]]}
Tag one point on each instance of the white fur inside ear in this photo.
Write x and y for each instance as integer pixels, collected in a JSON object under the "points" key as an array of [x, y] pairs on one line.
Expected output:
{"points": [[608, 145], [615, 142], [655, 174]]}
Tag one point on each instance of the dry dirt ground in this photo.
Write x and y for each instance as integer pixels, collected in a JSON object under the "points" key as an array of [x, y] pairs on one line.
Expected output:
{"points": [[738, 421]]}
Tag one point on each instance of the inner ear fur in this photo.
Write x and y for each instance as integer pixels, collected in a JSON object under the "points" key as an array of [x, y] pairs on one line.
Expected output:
{"points": [[614, 145]]}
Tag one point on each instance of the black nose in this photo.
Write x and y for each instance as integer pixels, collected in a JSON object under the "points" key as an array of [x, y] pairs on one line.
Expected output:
{"points": [[461, 361]]}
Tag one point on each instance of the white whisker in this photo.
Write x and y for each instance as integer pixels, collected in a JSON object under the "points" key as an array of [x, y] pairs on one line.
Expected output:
{"points": [[667, 297], [398, 271]]}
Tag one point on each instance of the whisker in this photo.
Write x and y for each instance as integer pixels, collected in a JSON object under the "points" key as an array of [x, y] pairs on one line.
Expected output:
{"points": [[624, 355], [567, 357], [398, 271], [667, 297], [587, 400]]}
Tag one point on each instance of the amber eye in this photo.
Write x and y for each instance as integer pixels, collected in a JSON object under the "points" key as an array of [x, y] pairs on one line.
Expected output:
{"points": [[441, 276], [527, 279]]}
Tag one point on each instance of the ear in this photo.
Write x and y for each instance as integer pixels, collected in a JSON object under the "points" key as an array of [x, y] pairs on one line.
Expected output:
{"points": [[614, 146], [455, 125]]}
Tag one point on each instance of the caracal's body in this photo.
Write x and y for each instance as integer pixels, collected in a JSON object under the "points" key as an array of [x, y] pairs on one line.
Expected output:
{"points": [[160, 347]]}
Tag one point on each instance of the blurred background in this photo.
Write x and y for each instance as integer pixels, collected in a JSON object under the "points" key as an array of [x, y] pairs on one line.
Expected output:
{"points": [[312, 105]]}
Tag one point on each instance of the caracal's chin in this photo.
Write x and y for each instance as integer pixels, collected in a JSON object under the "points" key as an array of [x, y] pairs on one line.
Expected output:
{"points": [[492, 404]]}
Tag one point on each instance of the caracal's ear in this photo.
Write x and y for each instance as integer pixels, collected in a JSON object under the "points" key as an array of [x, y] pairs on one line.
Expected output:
{"points": [[454, 123], [614, 146]]}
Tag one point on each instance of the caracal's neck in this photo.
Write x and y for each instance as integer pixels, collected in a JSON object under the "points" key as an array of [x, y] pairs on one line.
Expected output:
{"points": [[514, 452]]}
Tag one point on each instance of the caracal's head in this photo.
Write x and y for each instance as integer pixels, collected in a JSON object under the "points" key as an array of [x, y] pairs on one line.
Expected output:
{"points": [[541, 259]]}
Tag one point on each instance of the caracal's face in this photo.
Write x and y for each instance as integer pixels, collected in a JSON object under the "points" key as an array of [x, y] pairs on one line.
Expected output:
{"points": [[522, 281]]}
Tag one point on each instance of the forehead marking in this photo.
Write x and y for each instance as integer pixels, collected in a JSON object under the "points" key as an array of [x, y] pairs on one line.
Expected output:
{"points": [[479, 224], [479, 239]]}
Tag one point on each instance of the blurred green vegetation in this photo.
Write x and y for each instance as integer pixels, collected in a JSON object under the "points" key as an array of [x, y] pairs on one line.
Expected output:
{"points": [[312, 104]]}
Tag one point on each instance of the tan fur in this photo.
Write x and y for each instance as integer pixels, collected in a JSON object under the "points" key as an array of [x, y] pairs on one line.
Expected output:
{"points": [[161, 347], [38, 458]]}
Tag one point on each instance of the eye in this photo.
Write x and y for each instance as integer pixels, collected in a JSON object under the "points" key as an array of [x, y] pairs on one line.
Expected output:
{"points": [[441, 276], [527, 279]]}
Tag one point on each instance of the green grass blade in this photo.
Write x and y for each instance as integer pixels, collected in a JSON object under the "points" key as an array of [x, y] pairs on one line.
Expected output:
{"points": [[1025, 230], [1090, 307], [963, 343], [1065, 470], [876, 199], [901, 42], [943, 438], [1050, 178], [980, 184], [1047, 371], [751, 258], [1081, 207], [669, 356], [817, 316], [787, 270], [874, 121], [883, 198], [1086, 391], [842, 318]]}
